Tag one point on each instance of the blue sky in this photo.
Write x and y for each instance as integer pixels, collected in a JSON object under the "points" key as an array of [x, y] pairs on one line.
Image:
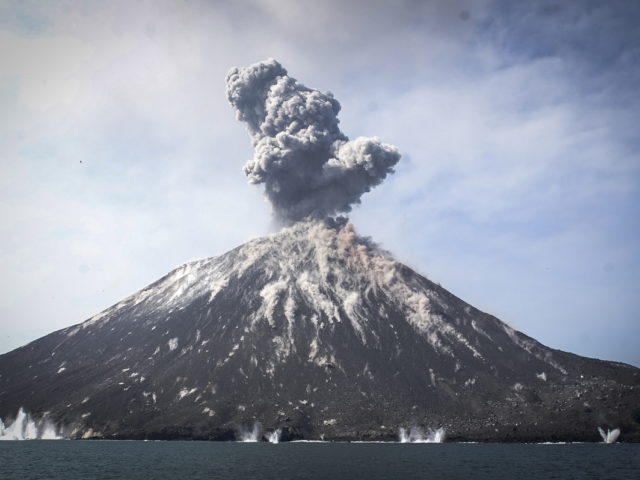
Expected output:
{"points": [[518, 189]]}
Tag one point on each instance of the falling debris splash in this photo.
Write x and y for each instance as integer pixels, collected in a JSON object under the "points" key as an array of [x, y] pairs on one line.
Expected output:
{"points": [[24, 427], [610, 436], [417, 435], [274, 437], [250, 435]]}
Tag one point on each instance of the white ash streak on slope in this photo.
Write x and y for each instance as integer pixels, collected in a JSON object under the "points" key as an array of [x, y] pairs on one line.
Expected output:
{"points": [[321, 263], [309, 167], [321, 266], [317, 262]]}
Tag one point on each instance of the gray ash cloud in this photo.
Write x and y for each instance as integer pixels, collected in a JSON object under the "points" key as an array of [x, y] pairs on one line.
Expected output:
{"points": [[308, 166]]}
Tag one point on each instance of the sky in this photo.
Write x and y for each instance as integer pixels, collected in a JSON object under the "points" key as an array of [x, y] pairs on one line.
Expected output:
{"points": [[518, 188]]}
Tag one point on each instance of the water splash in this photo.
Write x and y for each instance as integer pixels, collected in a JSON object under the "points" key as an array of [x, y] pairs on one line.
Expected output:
{"points": [[417, 435], [274, 437], [610, 436], [24, 427], [253, 435]]}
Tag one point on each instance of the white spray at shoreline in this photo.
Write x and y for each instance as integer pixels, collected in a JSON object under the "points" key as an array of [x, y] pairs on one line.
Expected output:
{"points": [[253, 435], [24, 427], [610, 436], [274, 437], [417, 435]]}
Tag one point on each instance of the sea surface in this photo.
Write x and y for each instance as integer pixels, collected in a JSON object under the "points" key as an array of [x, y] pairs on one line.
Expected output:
{"points": [[70, 460]]}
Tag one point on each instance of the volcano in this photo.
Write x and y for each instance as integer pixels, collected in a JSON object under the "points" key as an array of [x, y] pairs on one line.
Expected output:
{"points": [[320, 333]]}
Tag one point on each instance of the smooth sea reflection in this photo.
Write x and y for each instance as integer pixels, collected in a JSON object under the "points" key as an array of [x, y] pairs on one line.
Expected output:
{"points": [[70, 460]]}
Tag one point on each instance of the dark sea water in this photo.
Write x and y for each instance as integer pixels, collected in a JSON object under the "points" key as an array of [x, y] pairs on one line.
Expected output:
{"points": [[70, 460]]}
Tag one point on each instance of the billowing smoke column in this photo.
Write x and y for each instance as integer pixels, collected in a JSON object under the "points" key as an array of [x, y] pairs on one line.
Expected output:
{"points": [[309, 167]]}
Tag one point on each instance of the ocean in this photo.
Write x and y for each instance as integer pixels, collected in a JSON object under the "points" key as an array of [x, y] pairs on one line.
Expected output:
{"points": [[132, 460]]}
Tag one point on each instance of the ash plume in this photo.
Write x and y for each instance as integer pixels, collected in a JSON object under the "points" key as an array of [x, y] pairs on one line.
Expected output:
{"points": [[308, 166]]}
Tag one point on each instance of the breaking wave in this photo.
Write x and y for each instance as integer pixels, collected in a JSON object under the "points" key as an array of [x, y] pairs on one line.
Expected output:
{"points": [[417, 435], [24, 427]]}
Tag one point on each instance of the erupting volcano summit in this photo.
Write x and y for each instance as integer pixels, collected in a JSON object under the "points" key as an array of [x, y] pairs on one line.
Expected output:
{"points": [[313, 330]]}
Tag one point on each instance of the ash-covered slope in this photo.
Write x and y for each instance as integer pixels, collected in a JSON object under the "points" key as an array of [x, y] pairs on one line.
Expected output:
{"points": [[319, 332]]}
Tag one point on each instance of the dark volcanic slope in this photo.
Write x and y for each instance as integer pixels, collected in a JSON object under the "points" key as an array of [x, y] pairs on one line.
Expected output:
{"points": [[319, 332]]}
